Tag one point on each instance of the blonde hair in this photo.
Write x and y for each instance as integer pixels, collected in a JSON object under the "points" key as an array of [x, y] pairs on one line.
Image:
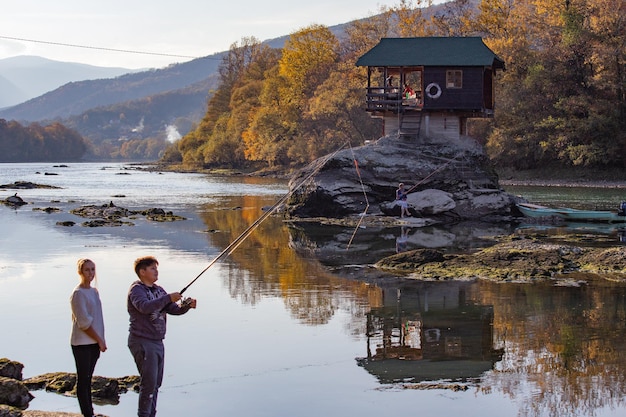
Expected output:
{"points": [[80, 263]]}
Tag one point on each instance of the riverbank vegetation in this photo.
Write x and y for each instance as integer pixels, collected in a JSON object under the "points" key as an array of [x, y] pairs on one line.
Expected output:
{"points": [[561, 101], [37, 143]]}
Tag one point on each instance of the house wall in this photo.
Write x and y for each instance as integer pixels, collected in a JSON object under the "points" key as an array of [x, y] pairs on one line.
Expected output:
{"points": [[444, 126], [470, 97], [435, 127]]}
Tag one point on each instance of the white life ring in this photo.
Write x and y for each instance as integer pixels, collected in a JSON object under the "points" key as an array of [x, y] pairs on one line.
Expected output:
{"points": [[429, 89]]}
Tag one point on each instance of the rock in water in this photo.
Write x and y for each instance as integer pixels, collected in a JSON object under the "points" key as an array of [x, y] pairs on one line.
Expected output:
{"points": [[15, 200], [451, 180]]}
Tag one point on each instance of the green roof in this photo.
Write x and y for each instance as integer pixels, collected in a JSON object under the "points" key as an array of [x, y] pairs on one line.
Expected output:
{"points": [[430, 51]]}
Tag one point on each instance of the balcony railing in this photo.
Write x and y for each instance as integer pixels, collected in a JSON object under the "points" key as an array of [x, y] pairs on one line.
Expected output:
{"points": [[380, 99]]}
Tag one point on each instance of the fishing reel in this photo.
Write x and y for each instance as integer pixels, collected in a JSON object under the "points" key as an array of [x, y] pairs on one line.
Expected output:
{"points": [[185, 302]]}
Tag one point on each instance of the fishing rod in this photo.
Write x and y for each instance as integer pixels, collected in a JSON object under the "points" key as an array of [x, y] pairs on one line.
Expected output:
{"points": [[243, 236]]}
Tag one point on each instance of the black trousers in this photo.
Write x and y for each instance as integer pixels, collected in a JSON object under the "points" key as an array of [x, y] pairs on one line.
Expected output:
{"points": [[85, 357]]}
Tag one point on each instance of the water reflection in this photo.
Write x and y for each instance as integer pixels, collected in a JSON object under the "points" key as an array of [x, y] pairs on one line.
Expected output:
{"points": [[328, 243], [586, 198], [265, 265], [602, 234], [564, 343], [429, 332], [402, 240], [554, 350]]}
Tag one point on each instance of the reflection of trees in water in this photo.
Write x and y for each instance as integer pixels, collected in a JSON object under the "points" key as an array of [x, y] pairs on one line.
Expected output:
{"points": [[564, 346], [264, 265]]}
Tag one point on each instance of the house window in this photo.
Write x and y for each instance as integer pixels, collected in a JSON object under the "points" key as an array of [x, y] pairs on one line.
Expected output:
{"points": [[454, 79]]}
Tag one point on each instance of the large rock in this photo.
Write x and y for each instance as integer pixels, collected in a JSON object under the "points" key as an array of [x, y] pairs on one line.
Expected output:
{"points": [[14, 393], [11, 369], [451, 181], [8, 411], [105, 390], [431, 201]]}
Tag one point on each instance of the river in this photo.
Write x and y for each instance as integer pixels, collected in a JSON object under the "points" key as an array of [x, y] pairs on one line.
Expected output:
{"points": [[279, 333]]}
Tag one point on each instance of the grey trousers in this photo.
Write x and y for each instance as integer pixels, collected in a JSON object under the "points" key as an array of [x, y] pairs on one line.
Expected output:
{"points": [[149, 357]]}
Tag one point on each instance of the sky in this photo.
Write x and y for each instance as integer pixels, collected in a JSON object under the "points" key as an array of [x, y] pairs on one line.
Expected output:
{"points": [[179, 30]]}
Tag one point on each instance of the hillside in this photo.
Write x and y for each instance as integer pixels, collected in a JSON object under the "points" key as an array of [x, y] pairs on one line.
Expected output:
{"points": [[26, 77], [77, 97], [156, 116]]}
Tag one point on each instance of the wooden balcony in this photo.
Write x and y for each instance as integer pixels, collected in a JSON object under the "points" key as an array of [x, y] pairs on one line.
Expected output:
{"points": [[390, 99]]}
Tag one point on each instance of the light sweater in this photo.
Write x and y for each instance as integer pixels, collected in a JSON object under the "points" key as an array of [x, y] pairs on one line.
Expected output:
{"points": [[86, 312]]}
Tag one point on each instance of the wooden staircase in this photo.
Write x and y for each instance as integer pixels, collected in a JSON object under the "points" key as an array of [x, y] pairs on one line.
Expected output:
{"points": [[410, 124]]}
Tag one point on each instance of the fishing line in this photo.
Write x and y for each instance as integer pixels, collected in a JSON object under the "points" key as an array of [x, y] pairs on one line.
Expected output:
{"points": [[362, 215], [430, 175], [367, 203], [239, 240]]}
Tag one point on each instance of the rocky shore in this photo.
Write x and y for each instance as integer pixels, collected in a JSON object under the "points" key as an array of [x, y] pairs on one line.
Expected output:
{"points": [[15, 392], [517, 259]]}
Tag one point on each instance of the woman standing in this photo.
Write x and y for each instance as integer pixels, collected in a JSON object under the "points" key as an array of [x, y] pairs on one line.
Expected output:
{"points": [[87, 338]]}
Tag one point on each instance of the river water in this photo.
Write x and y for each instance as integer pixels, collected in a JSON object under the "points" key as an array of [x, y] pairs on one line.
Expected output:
{"points": [[282, 331]]}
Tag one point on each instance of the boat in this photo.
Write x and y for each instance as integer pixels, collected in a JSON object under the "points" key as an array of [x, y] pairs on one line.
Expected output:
{"points": [[570, 214], [535, 210], [593, 216]]}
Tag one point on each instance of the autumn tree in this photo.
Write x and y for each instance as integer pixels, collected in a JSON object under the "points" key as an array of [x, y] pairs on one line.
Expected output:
{"points": [[552, 108], [308, 57], [456, 19], [409, 18], [36, 142], [217, 140]]}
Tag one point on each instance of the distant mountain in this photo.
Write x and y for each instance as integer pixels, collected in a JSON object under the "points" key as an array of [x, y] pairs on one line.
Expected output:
{"points": [[74, 98], [25, 77], [155, 116]]}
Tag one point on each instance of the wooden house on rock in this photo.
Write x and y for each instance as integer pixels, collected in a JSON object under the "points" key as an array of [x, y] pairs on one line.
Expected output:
{"points": [[429, 87]]}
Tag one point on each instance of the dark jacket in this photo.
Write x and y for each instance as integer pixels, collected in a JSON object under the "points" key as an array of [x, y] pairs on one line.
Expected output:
{"points": [[148, 308]]}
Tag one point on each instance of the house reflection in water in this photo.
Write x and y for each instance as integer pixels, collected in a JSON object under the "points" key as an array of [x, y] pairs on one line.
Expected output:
{"points": [[428, 331]]}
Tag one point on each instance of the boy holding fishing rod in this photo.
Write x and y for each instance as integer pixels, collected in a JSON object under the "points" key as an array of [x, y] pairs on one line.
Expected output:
{"points": [[148, 305]]}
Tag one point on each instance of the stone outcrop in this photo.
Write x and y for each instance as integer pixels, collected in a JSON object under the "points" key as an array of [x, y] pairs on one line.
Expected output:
{"points": [[8, 411], [103, 389], [14, 201], [26, 185], [11, 369], [112, 215], [513, 260], [14, 393], [449, 181]]}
